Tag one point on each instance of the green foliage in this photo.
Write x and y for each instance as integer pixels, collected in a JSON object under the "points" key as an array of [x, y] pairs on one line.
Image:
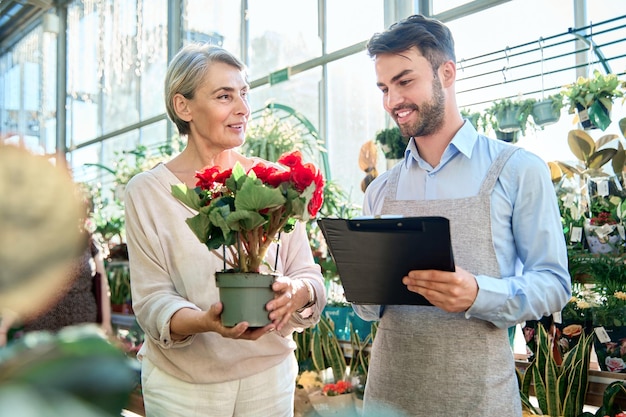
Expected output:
{"points": [[74, 372], [269, 136], [326, 350], [473, 117], [392, 142], [560, 390], [603, 88], [596, 94], [318, 348], [108, 207], [500, 109], [118, 274]]}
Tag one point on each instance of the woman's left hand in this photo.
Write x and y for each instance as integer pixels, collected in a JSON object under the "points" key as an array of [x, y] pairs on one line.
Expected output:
{"points": [[289, 296]]}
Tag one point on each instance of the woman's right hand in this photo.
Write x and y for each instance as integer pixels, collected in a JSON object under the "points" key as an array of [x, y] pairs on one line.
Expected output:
{"points": [[239, 331]]}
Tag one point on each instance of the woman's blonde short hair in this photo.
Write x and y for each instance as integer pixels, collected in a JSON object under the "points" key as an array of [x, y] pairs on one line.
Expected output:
{"points": [[187, 70]]}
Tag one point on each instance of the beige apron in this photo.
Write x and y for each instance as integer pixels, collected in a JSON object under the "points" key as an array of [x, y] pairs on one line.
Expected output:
{"points": [[426, 362]]}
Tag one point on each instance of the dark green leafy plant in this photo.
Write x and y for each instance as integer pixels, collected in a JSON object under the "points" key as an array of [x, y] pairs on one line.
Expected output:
{"points": [[560, 390], [519, 109], [392, 142], [76, 372]]}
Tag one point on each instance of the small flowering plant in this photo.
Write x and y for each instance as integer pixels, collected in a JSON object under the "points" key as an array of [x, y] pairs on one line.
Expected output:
{"points": [[341, 387], [245, 211]]}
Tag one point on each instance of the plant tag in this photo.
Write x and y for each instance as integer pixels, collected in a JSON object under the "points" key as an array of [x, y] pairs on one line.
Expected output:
{"points": [[602, 335], [603, 188], [576, 235], [583, 115], [556, 317], [620, 230], [603, 231]]}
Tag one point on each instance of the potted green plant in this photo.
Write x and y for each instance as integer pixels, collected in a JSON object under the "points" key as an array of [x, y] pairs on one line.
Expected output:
{"points": [[243, 212], [118, 274], [592, 98], [560, 389], [392, 143], [270, 135], [547, 110], [605, 298], [511, 115], [473, 117]]}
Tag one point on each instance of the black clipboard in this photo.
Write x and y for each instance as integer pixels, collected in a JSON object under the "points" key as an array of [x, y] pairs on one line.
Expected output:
{"points": [[373, 254]]}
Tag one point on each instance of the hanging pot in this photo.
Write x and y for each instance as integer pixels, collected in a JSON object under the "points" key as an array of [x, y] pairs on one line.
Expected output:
{"points": [[508, 119], [510, 137], [244, 296], [544, 114]]}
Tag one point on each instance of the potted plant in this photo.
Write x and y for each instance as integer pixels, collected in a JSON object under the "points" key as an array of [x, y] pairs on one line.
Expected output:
{"points": [[473, 117], [592, 98], [548, 110], [560, 389], [118, 274], [605, 278], [511, 115], [243, 212], [277, 129], [392, 143]]}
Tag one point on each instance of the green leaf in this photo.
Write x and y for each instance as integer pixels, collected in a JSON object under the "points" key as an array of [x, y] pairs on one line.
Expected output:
{"points": [[601, 157], [186, 195], [255, 196], [581, 144]]}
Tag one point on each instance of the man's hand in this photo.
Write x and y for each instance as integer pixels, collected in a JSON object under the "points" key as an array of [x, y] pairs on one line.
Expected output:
{"points": [[450, 291]]}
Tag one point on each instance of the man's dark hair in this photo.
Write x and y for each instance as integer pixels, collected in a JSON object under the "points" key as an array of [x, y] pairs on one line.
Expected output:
{"points": [[431, 37]]}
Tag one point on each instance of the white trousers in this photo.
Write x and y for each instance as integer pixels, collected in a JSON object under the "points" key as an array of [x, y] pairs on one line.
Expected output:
{"points": [[268, 394]]}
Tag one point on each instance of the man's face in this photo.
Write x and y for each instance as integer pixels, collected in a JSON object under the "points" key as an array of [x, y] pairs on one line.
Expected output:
{"points": [[412, 92]]}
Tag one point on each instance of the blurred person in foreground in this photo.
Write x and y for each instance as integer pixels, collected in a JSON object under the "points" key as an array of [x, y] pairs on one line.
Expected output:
{"points": [[75, 371], [454, 357], [75, 301], [191, 364]]}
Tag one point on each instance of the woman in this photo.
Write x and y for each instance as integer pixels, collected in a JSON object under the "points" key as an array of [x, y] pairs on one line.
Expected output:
{"points": [[191, 364], [77, 303]]}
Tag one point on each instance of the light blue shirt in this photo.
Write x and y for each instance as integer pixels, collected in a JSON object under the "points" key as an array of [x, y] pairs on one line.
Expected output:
{"points": [[526, 225]]}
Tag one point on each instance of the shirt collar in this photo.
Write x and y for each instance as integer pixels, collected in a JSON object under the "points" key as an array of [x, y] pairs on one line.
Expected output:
{"points": [[463, 142]]}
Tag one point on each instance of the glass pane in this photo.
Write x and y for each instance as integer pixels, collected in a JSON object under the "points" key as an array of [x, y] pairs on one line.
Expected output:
{"points": [[355, 114], [441, 6], [340, 35], [217, 22], [153, 46], [296, 103], [282, 33], [82, 121]]}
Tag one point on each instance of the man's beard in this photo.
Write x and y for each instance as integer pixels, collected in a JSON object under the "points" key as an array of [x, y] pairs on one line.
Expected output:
{"points": [[430, 115]]}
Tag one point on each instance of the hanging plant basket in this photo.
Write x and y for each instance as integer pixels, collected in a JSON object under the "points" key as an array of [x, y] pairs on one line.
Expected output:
{"points": [[510, 137], [544, 112], [509, 119]]}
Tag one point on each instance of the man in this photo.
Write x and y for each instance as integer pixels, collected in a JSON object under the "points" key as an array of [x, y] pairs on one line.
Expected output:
{"points": [[454, 357]]}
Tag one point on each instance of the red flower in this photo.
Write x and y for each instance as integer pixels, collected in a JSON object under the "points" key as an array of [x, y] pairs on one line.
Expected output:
{"points": [[249, 209], [206, 177], [603, 217], [341, 387], [291, 159]]}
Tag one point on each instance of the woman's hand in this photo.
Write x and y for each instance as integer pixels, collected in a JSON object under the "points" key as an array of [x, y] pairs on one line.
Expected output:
{"points": [[186, 322], [290, 295]]}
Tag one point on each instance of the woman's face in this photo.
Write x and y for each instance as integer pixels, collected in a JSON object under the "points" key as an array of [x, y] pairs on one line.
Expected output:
{"points": [[219, 110]]}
